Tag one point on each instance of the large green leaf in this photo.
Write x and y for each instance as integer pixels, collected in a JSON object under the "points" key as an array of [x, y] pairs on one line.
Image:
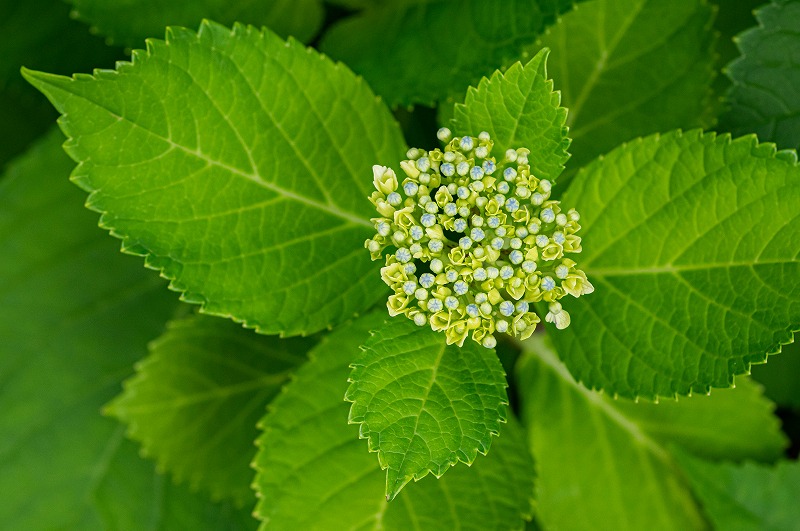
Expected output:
{"points": [[748, 496], [627, 68], [195, 400], [132, 21], [315, 474], [239, 165], [765, 97], [424, 405], [518, 108], [690, 242], [74, 316], [425, 50], [610, 461]]}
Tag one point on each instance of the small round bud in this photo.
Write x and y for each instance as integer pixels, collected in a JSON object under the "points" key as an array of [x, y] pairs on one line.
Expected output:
{"points": [[461, 287], [547, 215], [431, 207], [479, 275], [451, 209], [411, 188], [489, 167], [515, 243], [509, 174], [484, 136], [537, 199], [463, 192], [409, 287], [465, 242], [416, 232], [492, 272], [420, 320], [506, 308], [451, 275], [493, 222], [450, 302], [522, 307], [489, 342], [472, 310], [447, 169], [444, 134], [561, 220], [515, 257], [435, 305], [436, 246], [460, 225], [506, 272], [428, 220], [497, 243], [548, 284], [462, 168], [424, 164], [476, 173], [529, 266], [501, 326], [413, 153], [481, 152], [421, 294], [403, 255], [562, 271], [436, 265], [511, 155], [503, 188], [466, 143], [477, 234]]}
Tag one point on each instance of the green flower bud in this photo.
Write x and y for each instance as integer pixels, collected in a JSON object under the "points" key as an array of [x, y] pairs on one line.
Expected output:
{"points": [[473, 241]]}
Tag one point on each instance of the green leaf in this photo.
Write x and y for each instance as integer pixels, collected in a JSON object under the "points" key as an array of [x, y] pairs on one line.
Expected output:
{"points": [[519, 109], [424, 405], [747, 496], [779, 376], [195, 400], [627, 68], [131, 22], [74, 316], [690, 242], [610, 461], [765, 97], [239, 165], [314, 472], [423, 51]]}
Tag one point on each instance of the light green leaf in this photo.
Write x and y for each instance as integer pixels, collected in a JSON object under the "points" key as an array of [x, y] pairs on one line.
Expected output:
{"points": [[690, 242], [131, 22], [748, 496], [74, 316], [610, 461], [195, 400], [765, 97], [424, 405], [627, 68], [239, 165], [423, 51], [315, 474], [779, 376], [519, 109]]}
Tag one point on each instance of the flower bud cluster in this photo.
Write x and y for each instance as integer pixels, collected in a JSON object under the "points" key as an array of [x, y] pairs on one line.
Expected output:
{"points": [[474, 241]]}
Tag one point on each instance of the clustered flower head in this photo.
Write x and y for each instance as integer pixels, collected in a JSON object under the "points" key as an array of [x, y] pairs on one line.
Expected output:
{"points": [[474, 241]]}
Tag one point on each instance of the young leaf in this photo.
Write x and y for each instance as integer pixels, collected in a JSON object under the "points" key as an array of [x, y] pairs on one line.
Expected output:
{"points": [[747, 497], [518, 108], [610, 461], [690, 242], [239, 164], [424, 405], [74, 316], [423, 51], [765, 97], [131, 22], [314, 473], [195, 400], [619, 81]]}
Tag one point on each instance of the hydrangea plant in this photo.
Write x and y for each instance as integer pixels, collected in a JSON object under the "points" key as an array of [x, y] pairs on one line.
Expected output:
{"points": [[542, 315]]}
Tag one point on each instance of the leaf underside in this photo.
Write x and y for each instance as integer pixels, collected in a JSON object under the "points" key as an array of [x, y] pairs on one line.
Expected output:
{"points": [[690, 240], [518, 108], [612, 461], [196, 398], [238, 164], [314, 473], [765, 97]]}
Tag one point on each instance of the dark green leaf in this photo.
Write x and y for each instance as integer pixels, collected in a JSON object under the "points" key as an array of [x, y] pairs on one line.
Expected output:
{"points": [[74, 316], [195, 400], [749, 496], [423, 51], [132, 21], [627, 68], [765, 97]]}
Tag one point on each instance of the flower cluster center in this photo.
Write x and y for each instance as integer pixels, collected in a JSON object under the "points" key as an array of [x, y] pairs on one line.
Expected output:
{"points": [[474, 241]]}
